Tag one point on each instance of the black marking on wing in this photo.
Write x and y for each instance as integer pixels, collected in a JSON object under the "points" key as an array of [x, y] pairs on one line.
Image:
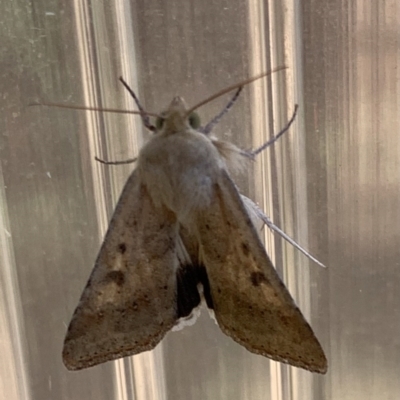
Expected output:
{"points": [[122, 248], [257, 278], [117, 277]]}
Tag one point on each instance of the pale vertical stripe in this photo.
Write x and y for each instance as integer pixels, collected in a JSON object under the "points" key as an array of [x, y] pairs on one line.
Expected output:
{"points": [[258, 90], [257, 62], [148, 370], [13, 373], [283, 49], [90, 98]]}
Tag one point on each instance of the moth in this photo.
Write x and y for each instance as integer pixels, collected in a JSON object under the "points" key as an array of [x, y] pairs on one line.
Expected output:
{"points": [[182, 233]]}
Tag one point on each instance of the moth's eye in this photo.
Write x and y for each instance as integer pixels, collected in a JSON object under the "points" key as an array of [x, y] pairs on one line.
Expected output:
{"points": [[160, 122], [194, 120]]}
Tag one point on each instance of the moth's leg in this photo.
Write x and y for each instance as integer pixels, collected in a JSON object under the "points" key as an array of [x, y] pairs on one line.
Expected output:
{"points": [[146, 123], [257, 151], [251, 154], [143, 114], [128, 161], [209, 127], [253, 207]]}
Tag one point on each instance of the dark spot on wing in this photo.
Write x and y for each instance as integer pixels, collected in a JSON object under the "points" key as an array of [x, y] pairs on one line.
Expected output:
{"points": [[257, 278], [117, 277], [245, 249], [122, 248], [132, 223]]}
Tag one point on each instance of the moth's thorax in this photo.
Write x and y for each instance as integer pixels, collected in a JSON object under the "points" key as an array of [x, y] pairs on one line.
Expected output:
{"points": [[180, 169], [175, 117]]}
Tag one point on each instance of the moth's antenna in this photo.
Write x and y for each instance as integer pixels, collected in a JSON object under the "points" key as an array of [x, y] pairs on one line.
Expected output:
{"points": [[143, 113], [235, 86], [72, 107]]}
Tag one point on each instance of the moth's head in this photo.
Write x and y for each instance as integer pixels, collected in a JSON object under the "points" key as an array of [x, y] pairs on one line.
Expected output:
{"points": [[176, 118]]}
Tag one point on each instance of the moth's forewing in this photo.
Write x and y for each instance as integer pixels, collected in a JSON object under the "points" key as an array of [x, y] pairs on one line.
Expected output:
{"points": [[250, 302], [129, 302]]}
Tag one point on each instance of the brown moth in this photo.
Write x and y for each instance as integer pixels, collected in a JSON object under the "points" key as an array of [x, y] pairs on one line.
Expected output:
{"points": [[181, 222]]}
